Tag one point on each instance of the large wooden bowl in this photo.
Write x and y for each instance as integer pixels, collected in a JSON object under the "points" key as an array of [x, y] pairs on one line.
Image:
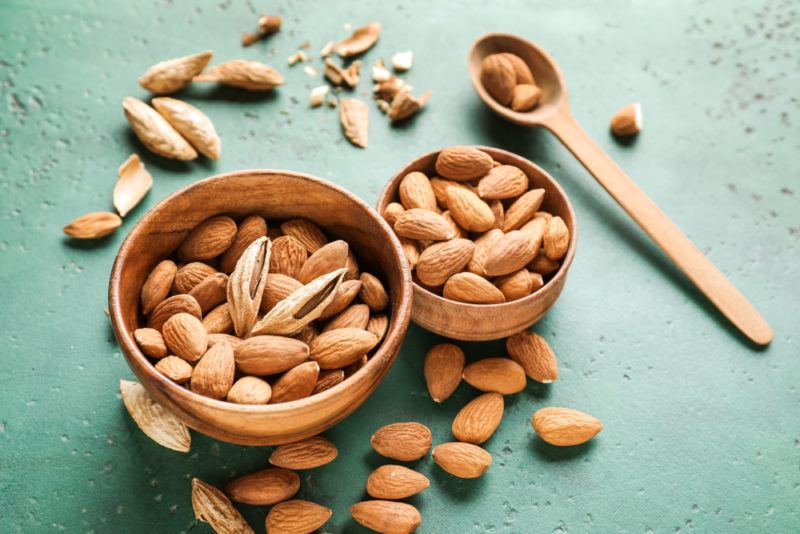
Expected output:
{"points": [[274, 195], [479, 322]]}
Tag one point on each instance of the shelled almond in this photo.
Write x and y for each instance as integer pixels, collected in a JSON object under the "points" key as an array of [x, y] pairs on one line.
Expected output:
{"points": [[252, 319], [510, 81], [475, 231]]}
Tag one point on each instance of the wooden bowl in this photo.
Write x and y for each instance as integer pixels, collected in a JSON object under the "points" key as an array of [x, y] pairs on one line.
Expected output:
{"points": [[274, 195], [480, 322]]}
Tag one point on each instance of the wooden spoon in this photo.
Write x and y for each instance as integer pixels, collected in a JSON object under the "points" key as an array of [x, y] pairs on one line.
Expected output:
{"points": [[553, 113]]}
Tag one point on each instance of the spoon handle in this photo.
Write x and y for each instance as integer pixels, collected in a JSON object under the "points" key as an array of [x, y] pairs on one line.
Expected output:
{"points": [[685, 254]]}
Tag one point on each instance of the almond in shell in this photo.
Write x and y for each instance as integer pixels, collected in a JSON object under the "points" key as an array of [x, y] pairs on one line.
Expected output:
{"points": [[213, 507], [305, 454], [243, 74]]}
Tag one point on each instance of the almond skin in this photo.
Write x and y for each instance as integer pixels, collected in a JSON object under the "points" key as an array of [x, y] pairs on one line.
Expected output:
{"points": [[170, 306], [325, 260], [213, 375], [176, 369], [151, 342], [250, 390], [372, 292], [504, 181], [463, 163], [418, 223], [250, 229], [522, 209], [440, 261], [402, 441], [185, 336], [532, 352], [157, 285], [387, 516], [510, 253], [499, 375], [395, 482], [190, 275], [463, 460], [296, 383], [479, 418], [469, 211], [287, 257], [471, 288], [341, 347], [297, 517], [306, 454], [498, 77], [565, 427], [444, 365], [556, 239], [210, 239], [306, 232], [415, 191], [267, 486], [269, 355]]}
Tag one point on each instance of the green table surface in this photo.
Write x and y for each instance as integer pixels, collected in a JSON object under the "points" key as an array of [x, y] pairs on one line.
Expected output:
{"points": [[702, 431]]}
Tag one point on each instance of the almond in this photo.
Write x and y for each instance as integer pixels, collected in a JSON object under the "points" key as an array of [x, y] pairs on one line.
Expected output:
{"points": [[151, 342], [565, 427], [499, 375], [243, 74], [556, 239], [218, 320], [211, 292], [288, 256], [469, 211], [440, 261], [173, 75], [190, 275], [457, 230], [305, 454], [278, 287], [378, 325], [535, 228], [499, 212], [354, 117], [521, 69], [264, 487], [345, 295], [402, 441], [392, 211], [356, 316], [328, 379], [543, 265], [387, 516], [155, 133], [326, 259], [351, 264], [627, 121], [306, 232], [463, 163], [444, 365], [522, 209], [176, 369], [418, 223], [360, 41], [296, 383], [472, 288], [510, 253], [250, 229], [340, 76], [341, 347], [516, 285], [536, 281], [395, 482], [525, 97], [297, 517], [185, 336], [191, 123], [543, 215], [133, 184], [356, 366], [210, 239], [215, 338], [269, 355], [415, 191], [157, 285], [532, 352], [309, 332], [498, 77], [479, 418], [463, 460], [213, 507], [504, 181], [153, 419], [170, 306], [484, 245], [404, 104], [213, 375], [440, 185], [372, 292], [411, 251], [93, 225], [250, 390]]}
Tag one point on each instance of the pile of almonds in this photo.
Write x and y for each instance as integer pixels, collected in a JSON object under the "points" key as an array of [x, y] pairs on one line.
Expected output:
{"points": [[256, 315], [474, 232], [510, 81]]}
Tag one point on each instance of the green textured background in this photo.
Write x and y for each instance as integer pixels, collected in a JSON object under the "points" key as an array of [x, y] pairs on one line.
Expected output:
{"points": [[702, 431]]}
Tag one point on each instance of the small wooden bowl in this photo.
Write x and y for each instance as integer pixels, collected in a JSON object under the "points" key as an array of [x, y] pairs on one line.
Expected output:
{"points": [[480, 322], [274, 195]]}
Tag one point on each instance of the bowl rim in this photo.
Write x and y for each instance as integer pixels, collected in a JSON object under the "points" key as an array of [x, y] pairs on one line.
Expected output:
{"points": [[385, 198], [381, 357]]}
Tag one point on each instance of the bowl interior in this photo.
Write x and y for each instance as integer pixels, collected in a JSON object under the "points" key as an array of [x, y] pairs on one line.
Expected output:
{"points": [[276, 195]]}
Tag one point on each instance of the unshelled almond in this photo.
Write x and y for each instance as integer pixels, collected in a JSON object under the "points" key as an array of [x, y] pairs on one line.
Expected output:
{"points": [[444, 364], [185, 336], [297, 516], [395, 482], [534, 354], [328, 379], [214, 373], [305, 454], [157, 285], [250, 229], [392, 212], [372, 292], [479, 418], [516, 285], [525, 96], [250, 390], [564, 426], [153, 419], [469, 211], [296, 383], [462, 460], [218, 320], [378, 325], [211, 292], [402, 441], [345, 294], [264, 487], [499, 375], [415, 191], [355, 316], [387, 516], [463, 163], [472, 288], [326, 259], [213, 507], [484, 245], [210, 239], [542, 264], [498, 77], [522, 71], [278, 287]]}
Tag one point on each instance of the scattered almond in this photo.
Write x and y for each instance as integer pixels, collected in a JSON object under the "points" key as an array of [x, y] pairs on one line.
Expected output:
{"points": [[627, 121], [297, 517], [93, 225], [264, 487], [243, 74], [133, 184], [173, 75], [353, 114], [565, 427], [213, 507], [387, 516], [306, 454], [479, 418], [532, 352], [402, 441], [395, 482], [463, 460], [444, 365], [499, 375], [360, 41]]}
